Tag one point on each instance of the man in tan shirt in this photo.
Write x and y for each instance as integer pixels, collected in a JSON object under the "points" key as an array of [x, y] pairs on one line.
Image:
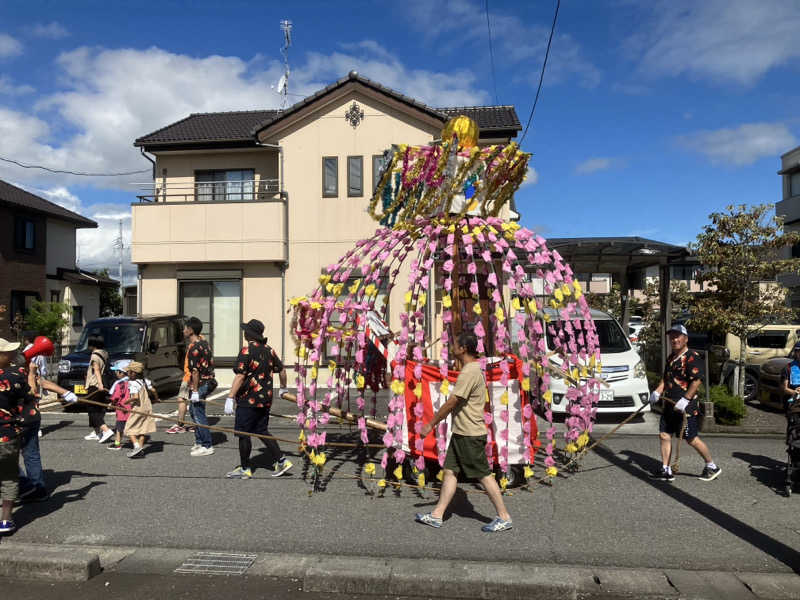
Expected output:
{"points": [[467, 450]]}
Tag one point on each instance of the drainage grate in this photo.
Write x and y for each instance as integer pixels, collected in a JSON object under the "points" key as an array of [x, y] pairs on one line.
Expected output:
{"points": [[217, 563]]}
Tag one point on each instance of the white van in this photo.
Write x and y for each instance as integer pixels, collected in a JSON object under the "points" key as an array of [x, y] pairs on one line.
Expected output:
{"points": [[623, 371]]}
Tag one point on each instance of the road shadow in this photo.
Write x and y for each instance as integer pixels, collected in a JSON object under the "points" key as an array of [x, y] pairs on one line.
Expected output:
{"points": [[55, 426], [767, 471], [26, 513], [640, 465]]}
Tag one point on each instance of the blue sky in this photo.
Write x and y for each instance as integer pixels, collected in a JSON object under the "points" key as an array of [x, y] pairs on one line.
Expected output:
{"points": [[653, 114]]}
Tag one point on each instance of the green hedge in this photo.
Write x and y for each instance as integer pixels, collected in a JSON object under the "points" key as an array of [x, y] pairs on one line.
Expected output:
{"points": [[728, 409]]}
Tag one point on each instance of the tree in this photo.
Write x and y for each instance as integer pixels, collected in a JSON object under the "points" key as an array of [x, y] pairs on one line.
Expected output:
{"points": [[48, 319], [741, 248], [110, 300], [610, 302]]}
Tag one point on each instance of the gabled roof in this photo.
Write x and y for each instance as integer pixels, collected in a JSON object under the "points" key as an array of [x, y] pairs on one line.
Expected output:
{"points": [[17, 197], [241, 128]]}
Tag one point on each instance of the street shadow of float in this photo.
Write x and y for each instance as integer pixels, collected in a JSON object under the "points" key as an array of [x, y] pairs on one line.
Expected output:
{"points": [[641, 465], [767, 471]]}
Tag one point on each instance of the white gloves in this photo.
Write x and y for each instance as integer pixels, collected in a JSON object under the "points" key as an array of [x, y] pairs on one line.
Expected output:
{"points": [[70, 397], [195, 397], [654, 397], [681, 404], [282, 391], [228, 406]]}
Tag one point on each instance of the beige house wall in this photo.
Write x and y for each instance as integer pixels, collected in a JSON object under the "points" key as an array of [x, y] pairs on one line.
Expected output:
{"points": [[60, 246]]}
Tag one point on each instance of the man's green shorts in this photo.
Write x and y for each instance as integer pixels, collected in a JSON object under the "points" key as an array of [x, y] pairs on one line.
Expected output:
{"points": [[467, 454]]}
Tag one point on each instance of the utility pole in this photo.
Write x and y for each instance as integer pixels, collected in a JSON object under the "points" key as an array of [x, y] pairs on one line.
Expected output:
{"points": [[283, 83]]}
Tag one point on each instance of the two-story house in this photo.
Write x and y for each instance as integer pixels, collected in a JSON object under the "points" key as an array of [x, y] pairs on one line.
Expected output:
{"points": [[37, 261], [789, 209], [248, 208]]}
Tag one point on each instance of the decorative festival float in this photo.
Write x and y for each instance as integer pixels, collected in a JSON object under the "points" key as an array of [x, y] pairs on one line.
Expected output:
{"points": [[447, 250]]}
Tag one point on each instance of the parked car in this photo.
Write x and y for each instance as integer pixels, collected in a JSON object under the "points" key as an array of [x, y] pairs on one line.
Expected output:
{"points": [[155, 341], [623, 370], [770, 386]]}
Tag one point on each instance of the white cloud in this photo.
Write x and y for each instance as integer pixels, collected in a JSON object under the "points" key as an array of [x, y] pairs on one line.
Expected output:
{"points": [[726, 40], [9, 46], [8, 87], [51, 31], [741, 145], [593, 165], [457, 23], [531, 178], [61, 196]]}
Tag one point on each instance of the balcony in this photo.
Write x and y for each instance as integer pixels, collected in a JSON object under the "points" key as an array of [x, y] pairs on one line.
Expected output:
{"points": [[210, 222]]}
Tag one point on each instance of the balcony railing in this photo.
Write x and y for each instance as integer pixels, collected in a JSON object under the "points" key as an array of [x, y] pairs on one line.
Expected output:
{"points": [[253, 190]]}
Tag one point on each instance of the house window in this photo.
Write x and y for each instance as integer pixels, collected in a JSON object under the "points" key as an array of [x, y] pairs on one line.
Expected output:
{"points": [[55, 296], [794, 184], [355, 176], [222, 186], [21, 303], [24, 234], [796, 251], [218, 305], [682, 272], [330, 177], [378, 161], [77, 316]]}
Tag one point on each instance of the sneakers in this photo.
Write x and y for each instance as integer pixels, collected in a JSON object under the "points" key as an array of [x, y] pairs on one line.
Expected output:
{"points": [[240, 473], [137, 451], [710, 474], [281, 467], [7, 527], [115, 446], [107, 435], [202, 451], [91, 437], [662, 475], [497, 525], [176, 429], [195, 447], [428, 519]]}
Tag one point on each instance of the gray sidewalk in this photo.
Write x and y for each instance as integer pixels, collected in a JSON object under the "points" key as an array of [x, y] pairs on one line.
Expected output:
{"points": [[406, 577]]}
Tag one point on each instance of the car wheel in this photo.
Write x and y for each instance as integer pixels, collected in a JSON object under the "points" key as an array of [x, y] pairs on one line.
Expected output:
{"points": [[514, 476], [750, 387]]}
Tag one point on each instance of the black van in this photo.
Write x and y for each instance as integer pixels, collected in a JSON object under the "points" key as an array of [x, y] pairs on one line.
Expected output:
{"points": [[155, 341]]}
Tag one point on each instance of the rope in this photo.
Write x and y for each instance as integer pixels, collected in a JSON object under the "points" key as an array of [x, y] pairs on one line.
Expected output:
{"points": [[684, 425], [260, 436]]}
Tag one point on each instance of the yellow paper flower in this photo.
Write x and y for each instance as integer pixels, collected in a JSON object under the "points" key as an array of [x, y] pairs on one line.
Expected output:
{"points": [[422, 298], [445, 387], [526, 384], [504, 399], [559, 296], [566, 290], [321, 458], [447, 301], [552, 471], [515, 304], [548, 396], [324, 279], [382, 483], [571, 448], [397, 387], [398, 472], [476, 308], [418, 391], [354, 287], [332, 365], [297, 300], [369, 469], [498, 313], [527, 472], [440, 475], [532, 306], [315, 305], [314, 372], [577, 285], [359, 381], [408, 298], [302, 351], [302, 436], [583, 439], [503, 482], [421, 480], [371, 290]]}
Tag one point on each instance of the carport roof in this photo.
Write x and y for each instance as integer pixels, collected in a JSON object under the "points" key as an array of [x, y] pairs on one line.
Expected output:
{"points": [[614, 254]]}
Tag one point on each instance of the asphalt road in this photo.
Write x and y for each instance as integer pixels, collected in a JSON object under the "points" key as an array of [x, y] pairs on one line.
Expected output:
{"points": [[608, 514]]}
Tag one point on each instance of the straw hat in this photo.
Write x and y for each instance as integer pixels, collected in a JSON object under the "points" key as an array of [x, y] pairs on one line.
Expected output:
{"points": [[136, 367], [6, 346]]}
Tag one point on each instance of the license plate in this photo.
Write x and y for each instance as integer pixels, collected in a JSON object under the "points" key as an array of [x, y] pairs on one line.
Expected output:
{"points": [[79, 389], [606, 395]]}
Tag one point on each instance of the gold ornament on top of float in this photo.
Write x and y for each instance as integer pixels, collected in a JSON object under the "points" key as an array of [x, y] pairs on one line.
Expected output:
{"points": [[464, 128]]}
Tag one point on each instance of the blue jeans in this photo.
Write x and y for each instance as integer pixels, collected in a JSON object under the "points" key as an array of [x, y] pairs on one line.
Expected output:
{"points": [[197, 410], [29, 448]]}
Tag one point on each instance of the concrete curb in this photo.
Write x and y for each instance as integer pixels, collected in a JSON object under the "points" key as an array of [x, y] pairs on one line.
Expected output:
{"points": [[53, 563], [413, 577]]}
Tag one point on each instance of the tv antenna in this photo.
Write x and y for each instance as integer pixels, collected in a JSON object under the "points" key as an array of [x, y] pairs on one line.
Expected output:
{"points": [[283, 83]]}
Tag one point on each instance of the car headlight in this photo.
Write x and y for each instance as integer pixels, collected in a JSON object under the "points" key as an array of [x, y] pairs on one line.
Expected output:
{"points": [[64, 366], [639, 370]]}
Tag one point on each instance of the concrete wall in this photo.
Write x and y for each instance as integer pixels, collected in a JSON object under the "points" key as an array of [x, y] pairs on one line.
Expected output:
{"points": [[87, 296], [60, 246]]}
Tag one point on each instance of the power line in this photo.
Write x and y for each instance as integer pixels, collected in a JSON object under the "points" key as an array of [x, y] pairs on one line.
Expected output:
{"points": [[491, 53], [24, 166], [541, 76]]}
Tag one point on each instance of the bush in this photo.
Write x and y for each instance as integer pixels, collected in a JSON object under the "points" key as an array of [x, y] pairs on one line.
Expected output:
{"points": [[728, 409], [652, 379]]}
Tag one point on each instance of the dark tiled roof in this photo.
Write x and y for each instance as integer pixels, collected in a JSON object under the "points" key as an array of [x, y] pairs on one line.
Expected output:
{"points": [[11, 194], [242, 126]]}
